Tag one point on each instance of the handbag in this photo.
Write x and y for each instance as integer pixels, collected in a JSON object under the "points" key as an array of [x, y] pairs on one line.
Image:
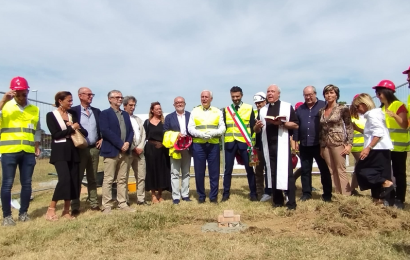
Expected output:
{"points": [[79, 139]]}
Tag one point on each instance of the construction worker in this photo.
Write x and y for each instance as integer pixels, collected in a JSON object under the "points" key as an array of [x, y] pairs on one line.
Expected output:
{"points": [[20, 140], [396, 121], [239, 120], [206, 125]]}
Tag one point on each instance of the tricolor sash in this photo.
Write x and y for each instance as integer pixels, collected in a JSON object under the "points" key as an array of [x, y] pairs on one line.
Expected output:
{"points": [[252, 153]]}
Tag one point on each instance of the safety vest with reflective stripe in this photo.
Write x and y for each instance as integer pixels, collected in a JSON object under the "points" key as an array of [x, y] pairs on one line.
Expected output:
{"points": [[18, 128], [254, 134], [205, 121], [399, 136], [358, 138], [232, 131]]}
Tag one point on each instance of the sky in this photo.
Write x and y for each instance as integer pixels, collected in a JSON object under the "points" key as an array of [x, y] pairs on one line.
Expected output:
{"points": [[158, 50]]}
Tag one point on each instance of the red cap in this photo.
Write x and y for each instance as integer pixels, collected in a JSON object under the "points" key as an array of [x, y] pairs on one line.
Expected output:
{"points": [[386, 84], [18, 83], [406, 71], [298, 105], [294, 160], [183, 143]]}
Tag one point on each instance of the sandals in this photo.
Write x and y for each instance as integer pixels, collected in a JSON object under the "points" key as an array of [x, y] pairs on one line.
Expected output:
{"points": [[51, 217], [154, 199]]}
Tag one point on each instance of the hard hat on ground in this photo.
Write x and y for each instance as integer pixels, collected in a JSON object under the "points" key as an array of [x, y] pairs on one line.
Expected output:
{"points": [[259, 97], [18, 83], [386, 84]]}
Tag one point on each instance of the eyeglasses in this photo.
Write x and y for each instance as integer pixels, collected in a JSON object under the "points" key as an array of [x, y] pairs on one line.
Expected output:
{"points": [[89, 94], [118, 97]]}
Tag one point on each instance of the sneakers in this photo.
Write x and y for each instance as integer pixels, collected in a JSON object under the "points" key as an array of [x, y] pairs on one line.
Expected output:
{"points": [[186, 199], [175, 201], [265, 197], [142, 203], [24, 217], [106, 211], [8, 221]]}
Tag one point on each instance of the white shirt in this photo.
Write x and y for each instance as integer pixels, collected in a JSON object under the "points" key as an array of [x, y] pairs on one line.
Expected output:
{"points": [[376, 127], [181, 121], [136, 129]]}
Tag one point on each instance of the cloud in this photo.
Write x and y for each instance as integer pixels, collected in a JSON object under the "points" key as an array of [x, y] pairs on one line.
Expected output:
{"points": [[157, 50]]}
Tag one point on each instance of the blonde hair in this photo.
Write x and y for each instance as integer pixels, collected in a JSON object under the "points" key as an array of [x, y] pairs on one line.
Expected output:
{"points": [[365, 99], [151, 115]]}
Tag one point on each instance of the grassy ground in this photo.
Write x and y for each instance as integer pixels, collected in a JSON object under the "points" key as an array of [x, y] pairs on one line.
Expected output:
{"points": [[348, 228]]}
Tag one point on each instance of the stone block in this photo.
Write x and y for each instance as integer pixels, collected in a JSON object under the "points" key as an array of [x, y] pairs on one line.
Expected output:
{"points": [[228, 213]]}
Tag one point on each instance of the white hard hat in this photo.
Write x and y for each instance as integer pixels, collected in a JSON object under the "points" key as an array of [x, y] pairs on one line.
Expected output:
{"points": [[258, 97]]}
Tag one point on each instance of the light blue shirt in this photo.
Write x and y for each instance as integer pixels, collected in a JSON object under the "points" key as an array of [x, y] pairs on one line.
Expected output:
{"points": [[89, 123]]}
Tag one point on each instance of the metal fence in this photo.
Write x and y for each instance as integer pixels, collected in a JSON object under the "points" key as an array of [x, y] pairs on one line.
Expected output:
{"points": [[44, 109], [402, 92]]}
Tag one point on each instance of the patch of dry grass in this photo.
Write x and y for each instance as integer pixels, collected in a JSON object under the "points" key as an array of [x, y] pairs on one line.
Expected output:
{"points": [[347, 228]]}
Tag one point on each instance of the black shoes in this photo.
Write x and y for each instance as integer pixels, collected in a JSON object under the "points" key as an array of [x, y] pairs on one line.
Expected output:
{"points": [[305, 198], [214, 201], [187, 199], [253, 198], [200, 200], [225, 198]]}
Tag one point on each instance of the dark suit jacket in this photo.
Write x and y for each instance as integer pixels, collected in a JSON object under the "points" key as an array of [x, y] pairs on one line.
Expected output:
{"points": [[65, 151], [96, 113], [171, 122], [111, 133]]}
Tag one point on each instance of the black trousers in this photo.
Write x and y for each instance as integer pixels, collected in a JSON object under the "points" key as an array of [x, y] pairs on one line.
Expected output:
{"points": [[68, 186], [398, 160], [373, 171], [278, 198], [307, 153]]}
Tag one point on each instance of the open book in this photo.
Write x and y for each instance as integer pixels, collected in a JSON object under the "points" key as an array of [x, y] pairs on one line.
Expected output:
{"points": [[277, 118]]}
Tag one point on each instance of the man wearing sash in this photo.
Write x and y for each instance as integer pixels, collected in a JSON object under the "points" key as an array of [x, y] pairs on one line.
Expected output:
{"points": [[239, 120], [276, 146]]}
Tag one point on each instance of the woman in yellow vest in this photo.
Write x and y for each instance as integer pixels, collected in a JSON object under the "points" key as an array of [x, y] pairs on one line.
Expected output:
{"points": [[396, 121], [358, 141]]}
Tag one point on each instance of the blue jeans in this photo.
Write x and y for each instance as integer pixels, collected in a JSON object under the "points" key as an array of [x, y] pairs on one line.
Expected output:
{"points": [[9, 162]]}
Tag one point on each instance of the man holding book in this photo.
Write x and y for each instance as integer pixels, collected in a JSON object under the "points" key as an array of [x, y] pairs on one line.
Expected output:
{"points": [[275, 123], [239, 120]]}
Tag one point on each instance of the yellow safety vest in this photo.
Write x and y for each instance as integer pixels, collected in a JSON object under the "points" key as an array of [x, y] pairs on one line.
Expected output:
{"points": [[18, 128], [205, 121], [254, 134], [358, 138], [232, 131], [399, 136]]}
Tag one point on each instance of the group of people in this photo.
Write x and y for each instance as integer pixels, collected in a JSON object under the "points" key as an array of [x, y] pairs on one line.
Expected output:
{"points": [[159, 150]]}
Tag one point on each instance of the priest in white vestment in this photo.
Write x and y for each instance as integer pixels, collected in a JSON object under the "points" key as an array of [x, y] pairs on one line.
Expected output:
{"points": [[276, 146]]}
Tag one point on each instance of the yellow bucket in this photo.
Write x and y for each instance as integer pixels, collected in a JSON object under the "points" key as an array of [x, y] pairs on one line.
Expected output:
{"points": [[132, 187]]}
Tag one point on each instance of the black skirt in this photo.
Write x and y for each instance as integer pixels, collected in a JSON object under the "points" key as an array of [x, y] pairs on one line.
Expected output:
{"points": [[374, 169], [158, 168]]}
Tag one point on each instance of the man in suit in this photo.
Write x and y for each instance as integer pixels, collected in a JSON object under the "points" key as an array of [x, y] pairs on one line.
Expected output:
{"points": [[206, 125], [177, 121], [90, 156], [137, 159], [237, 140], [117, 134]]}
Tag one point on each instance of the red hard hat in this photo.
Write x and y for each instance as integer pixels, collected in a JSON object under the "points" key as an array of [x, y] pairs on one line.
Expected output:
{"points": [[406, 71], [294, 161], [386, 84], [183, 143], [298, 105], [18, 83], [356, 96]]}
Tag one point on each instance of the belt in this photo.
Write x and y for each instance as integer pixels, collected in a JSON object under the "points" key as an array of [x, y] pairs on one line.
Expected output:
{"points": [[157, 143], [91, 146]]}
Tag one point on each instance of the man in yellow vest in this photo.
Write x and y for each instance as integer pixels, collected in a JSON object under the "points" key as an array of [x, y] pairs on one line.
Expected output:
{"points": [[239, 120], [407, 72], [20, 137], [206, 125]]}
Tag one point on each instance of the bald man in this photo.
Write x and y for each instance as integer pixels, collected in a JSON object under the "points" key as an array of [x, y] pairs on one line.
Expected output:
{"points": [[89, 157], [276, 146]]}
